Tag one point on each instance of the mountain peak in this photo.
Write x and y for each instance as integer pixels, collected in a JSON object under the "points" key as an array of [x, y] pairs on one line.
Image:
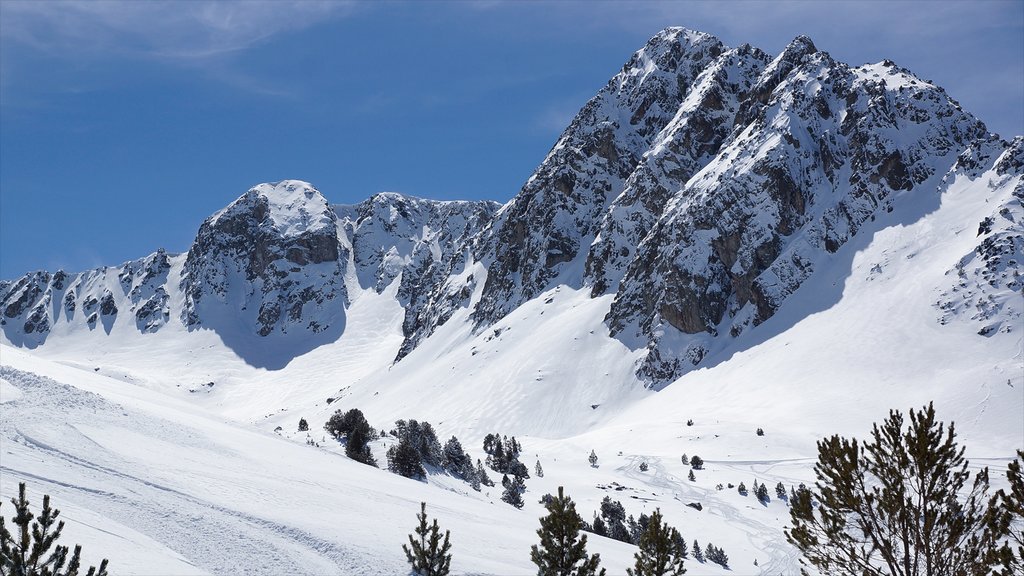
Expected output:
{"points": [[289, 208]]}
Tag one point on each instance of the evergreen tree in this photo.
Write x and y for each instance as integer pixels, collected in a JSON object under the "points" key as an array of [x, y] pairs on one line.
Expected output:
{"points": [[539, 470], [341, 424], [29, 553], [686, 461], [897, 505], [481, 472], [303, 425], [780, 491], [659, 553], [560, 553], [455, 461], [357, 448], [742, 489], [593, 458], [429, 446], [404, 459], [762, 494], [716, 555], [614, 516], [1012, 519], [698, 554], [681, 545], [513, 493], [643, 467], [697, 462], [599, 527], [429, 556], [691, 477]]}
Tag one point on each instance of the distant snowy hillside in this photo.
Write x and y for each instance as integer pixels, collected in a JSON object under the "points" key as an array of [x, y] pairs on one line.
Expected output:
{"points": [[720, 241]]}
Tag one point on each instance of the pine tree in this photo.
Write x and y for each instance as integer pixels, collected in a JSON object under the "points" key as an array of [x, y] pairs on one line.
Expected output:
{"points": [[303, 425], [593, 459], [716, 555], [482, 473], [780, 491], [659, 554], [698, 554], [599, 527], [614, 515], [681, 546], [559, 552], [691, 477], [513, 493], [455, 461], [686, 461], [356, 447], [897, 505], [762, 494], [539, 470], [26, 555], [404, 459], [697, 462], [429, 556], [742, 489], [1012, 519]]}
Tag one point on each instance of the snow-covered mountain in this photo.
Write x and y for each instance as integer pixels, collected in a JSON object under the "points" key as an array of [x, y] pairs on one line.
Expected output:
{"points": [[730, 229]]}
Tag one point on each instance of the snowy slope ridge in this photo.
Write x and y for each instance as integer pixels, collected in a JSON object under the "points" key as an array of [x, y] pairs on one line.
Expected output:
{"points": [[744, 241]]}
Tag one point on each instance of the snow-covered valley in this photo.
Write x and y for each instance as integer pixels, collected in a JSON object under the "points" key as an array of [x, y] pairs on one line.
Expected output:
{"points": [[158, 402]]}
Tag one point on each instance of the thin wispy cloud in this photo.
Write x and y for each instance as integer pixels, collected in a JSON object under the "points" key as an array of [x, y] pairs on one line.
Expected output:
{"points": [[177, 30]]}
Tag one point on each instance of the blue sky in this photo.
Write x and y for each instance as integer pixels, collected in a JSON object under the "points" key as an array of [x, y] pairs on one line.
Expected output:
{"points": [[124, 125]]}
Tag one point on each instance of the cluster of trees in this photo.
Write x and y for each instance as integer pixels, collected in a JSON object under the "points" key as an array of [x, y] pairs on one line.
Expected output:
{"points": [[562, 550], [611, 521], [418, 450], [33, 550], [902, 503], [417, 447], [711, 553], [503, 455], [352, 428]]}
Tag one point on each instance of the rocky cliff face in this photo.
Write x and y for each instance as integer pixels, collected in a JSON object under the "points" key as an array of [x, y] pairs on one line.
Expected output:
{"points": [[700, 188], [704, 204], [545, 231]]}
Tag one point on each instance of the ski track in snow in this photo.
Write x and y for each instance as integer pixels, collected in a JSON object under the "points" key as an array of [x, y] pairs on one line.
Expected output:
{"points": [[782, 558], [229, 541]]}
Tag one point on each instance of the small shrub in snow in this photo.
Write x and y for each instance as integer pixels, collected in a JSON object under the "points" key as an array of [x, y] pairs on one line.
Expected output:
{"points": [[643, 466], [697, 462], [303, 425], [593, 459]]}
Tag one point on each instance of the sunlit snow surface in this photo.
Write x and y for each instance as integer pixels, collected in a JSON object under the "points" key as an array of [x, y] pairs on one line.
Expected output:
{"points": [[161, 449]]}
